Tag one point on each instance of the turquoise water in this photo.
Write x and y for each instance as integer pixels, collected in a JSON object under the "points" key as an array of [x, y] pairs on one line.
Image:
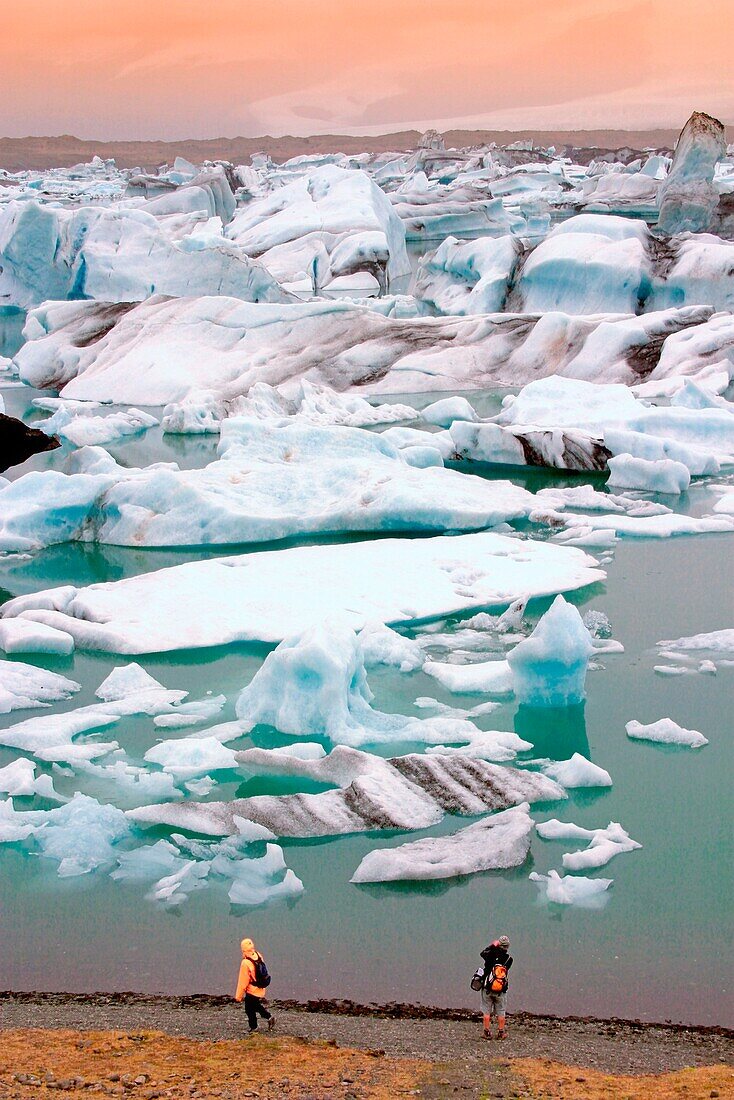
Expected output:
{"points": [[668, 913]]}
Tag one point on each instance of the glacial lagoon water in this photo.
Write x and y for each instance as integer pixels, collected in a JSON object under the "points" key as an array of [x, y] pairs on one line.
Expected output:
{"points": [[668, 912]]}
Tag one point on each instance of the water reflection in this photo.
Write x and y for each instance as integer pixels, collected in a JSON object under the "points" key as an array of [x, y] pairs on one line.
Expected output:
{"points": [[555, 732]]}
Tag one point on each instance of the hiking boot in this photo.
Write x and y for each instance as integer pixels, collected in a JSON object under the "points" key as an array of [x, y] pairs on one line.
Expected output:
{"points": [[486, 1034], [271, 1023], [502, 1034]]}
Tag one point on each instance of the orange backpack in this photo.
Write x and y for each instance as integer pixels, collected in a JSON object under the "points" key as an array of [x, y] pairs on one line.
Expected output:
{"points": [[497, 979]]}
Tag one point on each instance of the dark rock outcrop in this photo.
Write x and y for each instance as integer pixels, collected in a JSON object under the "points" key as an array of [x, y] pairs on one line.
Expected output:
{"points": [[18, 442]]}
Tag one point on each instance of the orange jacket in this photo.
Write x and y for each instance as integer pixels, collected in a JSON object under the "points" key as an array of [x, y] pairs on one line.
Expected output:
{"points": [[246, 978]]}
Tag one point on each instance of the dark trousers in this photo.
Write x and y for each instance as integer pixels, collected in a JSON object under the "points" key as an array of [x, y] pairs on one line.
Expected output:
{"points": [[254, 1007]]}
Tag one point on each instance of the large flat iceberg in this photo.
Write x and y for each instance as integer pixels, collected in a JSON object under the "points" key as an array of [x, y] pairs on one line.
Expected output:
{"points": [[271, 595]]}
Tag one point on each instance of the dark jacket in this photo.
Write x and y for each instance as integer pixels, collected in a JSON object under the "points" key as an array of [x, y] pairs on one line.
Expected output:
{"points": [[495, 954]]}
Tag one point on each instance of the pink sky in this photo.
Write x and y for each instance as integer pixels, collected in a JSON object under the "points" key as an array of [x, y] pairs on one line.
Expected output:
{"points": [[183, 68]]}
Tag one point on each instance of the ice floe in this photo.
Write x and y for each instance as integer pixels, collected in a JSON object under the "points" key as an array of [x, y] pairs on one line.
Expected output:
{"points": [[587, 893], [495, 843], [666, 732], [24, 686], [604, 844], [577, 772], [407, 792], [271, 595], [271, 481]]}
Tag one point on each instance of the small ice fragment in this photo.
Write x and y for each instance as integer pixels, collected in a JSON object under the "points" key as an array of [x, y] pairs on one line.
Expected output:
{"points": [[587, 893], [578, 772], [666, 732]]}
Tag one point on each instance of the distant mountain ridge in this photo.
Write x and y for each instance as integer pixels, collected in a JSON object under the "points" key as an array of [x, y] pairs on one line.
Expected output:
{"points": [[65, 150]]}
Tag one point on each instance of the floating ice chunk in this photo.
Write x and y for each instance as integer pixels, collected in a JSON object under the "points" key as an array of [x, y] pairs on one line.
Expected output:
{"points": [[587, 893], [578, 772], [14, 826], [173, 889], [549, 668], [383, 646], [425, 702], [24, 636], [315, 684], [190, 714], [82, 835], [725, 503], [201, 787], [128, 680], [716, 641], [129, 785], [407, 792], [226, 598], [563, 830], [152, 861], [98, 431], [663, 476], [188, 757], [492, 677], [688, 197], [272, 480], [258, 881], [671, 670], [422, 457], [19, 780], [469, 276], [497, 745], [588, 264], [25, 686], [597, 623], [495, 843], [605, 844], [666, 732], [443, 413]]}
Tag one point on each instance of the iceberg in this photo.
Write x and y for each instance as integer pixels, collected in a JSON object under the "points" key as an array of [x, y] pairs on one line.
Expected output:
{"points": [[97, 431], [166, 350], [82, 835], [327, 224], [19, 780], [496, 843], [593, 263], [315, 685], [651, 476], [122, 255], [549, 668], [587, 893], [577, 772], [688, 197], [470, 276], [666, 732], [189, 757], [24, 686], [604, 844], [491, 677], [271, 595], [23, 636], [272, 480], [408, 792]]}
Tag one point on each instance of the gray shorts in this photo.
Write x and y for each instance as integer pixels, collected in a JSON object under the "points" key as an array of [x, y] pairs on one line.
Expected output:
{"points": [[493, 1004]]}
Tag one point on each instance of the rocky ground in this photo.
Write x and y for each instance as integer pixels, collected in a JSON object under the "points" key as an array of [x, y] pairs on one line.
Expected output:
{"points": [[194, 1047]]}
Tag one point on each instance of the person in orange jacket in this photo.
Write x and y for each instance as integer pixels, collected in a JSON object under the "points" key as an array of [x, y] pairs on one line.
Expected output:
{"points": [[248, 988]]}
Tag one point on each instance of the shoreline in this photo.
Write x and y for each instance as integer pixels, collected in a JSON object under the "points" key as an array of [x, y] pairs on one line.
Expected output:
{"points": [[391, 1010], [399, 1033]]}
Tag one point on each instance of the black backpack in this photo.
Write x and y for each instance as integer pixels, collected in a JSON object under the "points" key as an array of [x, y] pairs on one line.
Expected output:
{"points": [[262, 975]]}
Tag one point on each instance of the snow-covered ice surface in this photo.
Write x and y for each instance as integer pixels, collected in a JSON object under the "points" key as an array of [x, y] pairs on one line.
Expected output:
{"points": [[495, 843], [270, 595], [666, 732]]}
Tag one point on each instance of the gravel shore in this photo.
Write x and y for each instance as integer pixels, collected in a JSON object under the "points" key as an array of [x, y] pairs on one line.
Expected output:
{"points": [[614, 1046]]}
